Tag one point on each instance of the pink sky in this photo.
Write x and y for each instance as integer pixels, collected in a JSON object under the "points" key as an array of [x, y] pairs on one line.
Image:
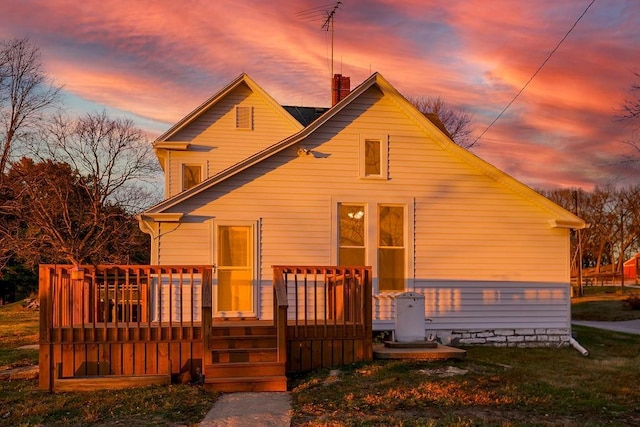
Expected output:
{"points": [[155, 61]]}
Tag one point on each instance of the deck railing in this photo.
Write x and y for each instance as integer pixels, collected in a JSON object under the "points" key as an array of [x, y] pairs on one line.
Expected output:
{"points": [[328, 313], [150, 320], [120, 320]]}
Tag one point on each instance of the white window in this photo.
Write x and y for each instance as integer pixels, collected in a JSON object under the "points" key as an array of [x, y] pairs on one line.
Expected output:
{"points": [[391, 248], [244, 118], [191, 176], [373, 156], [351, 239], [376, 234]]}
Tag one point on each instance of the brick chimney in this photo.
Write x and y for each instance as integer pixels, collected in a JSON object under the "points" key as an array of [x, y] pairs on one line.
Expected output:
{"points": [[340, 88]]}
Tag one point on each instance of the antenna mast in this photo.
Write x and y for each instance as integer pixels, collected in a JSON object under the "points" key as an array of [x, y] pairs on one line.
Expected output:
{"points": [[329, 24]]}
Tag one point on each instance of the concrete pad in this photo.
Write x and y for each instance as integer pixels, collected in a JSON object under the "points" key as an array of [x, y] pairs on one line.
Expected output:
{"points": [[441, 352], [272, 409]]}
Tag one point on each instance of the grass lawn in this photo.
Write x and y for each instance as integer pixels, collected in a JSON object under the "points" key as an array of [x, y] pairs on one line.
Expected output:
{"points": [[493, 386], [604, 303], [21, 404]]}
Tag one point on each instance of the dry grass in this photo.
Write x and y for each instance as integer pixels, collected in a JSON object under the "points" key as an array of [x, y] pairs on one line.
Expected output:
{"points": [[18, 327], [502, 386], [21, 404]]}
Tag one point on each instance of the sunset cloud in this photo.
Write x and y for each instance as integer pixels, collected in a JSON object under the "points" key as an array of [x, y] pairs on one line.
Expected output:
{"points": [[156, 60]]}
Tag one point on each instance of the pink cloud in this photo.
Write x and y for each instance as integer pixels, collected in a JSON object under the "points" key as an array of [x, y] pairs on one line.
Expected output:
{"points": [[159, 59]]}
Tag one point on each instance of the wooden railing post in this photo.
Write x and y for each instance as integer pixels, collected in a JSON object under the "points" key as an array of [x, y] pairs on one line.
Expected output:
{"points": [[46, 323], [207, 316], [280, 313], [368, 314]]}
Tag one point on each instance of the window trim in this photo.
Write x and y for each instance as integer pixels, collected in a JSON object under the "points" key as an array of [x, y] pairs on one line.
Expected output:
{"points": [[384, 156], [371, 237]]}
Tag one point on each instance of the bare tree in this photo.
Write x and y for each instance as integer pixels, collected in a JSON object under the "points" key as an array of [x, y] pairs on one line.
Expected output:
{"points": [[76, 203], [631, 106], [58, 218], [25, 95], [457, 123], [613, 215], [113, 154]]}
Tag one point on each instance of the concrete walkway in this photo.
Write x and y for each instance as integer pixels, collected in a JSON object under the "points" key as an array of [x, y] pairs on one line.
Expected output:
{"points": [[627, 326], [250, 410]]}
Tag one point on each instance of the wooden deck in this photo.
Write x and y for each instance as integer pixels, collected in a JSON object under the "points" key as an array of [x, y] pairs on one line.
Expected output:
{"points": [[131, 324]]}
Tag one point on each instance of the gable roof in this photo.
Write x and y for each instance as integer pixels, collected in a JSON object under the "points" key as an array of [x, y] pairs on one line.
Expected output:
{"points": [[205, 106], [565, 219]]}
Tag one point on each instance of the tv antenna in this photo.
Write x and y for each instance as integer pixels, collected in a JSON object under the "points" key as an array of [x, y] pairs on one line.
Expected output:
{"points": [[327, 14], [329, 24]]}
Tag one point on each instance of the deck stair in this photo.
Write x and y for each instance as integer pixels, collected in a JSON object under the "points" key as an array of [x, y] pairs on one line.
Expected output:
{"points": [[244, 358]]}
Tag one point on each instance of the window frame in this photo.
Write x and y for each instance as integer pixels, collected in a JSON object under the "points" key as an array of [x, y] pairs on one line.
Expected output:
{"points": [[365, 237], [384, 156], [183, 167], [370, 204], [380, 247]]}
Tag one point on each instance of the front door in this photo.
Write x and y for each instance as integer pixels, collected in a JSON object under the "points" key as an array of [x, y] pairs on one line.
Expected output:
{"points": [[235, 271]]}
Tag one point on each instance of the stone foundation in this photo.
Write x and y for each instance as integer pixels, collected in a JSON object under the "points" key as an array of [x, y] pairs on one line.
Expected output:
{"points": [[542, 337]]}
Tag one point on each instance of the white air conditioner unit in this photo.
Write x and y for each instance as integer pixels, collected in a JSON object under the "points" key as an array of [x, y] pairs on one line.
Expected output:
{"points": [[410, 317]]}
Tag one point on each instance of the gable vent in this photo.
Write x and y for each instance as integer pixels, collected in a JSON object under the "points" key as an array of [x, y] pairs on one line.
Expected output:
{"points": [[244, 118]]}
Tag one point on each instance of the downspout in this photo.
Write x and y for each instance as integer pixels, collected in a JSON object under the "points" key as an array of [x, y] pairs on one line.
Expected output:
{"points": [[575, 344]]}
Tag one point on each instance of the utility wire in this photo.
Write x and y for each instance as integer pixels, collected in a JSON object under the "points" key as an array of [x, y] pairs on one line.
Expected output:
{"points": [[535, 73]]}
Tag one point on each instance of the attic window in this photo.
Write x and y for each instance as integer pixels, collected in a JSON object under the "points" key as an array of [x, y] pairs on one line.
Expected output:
{"points": [[191, 176], [244, 118], [373, 156]]}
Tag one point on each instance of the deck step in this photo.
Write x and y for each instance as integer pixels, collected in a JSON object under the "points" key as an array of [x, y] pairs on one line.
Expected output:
{"points": [[234, 331], [243, 355], [238, 370], [243, 342], [246, 384], [244, 358]]}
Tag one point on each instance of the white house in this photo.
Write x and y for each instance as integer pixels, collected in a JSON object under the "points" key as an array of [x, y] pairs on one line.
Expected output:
{"points": [[370, 181]]}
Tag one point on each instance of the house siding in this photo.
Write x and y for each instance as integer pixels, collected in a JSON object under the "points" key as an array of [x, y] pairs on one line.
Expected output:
{"points": [[215, 141], [485, 256]]}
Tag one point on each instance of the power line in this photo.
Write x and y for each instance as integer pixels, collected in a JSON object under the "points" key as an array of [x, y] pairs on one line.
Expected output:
{"points": [[535, 73]]}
